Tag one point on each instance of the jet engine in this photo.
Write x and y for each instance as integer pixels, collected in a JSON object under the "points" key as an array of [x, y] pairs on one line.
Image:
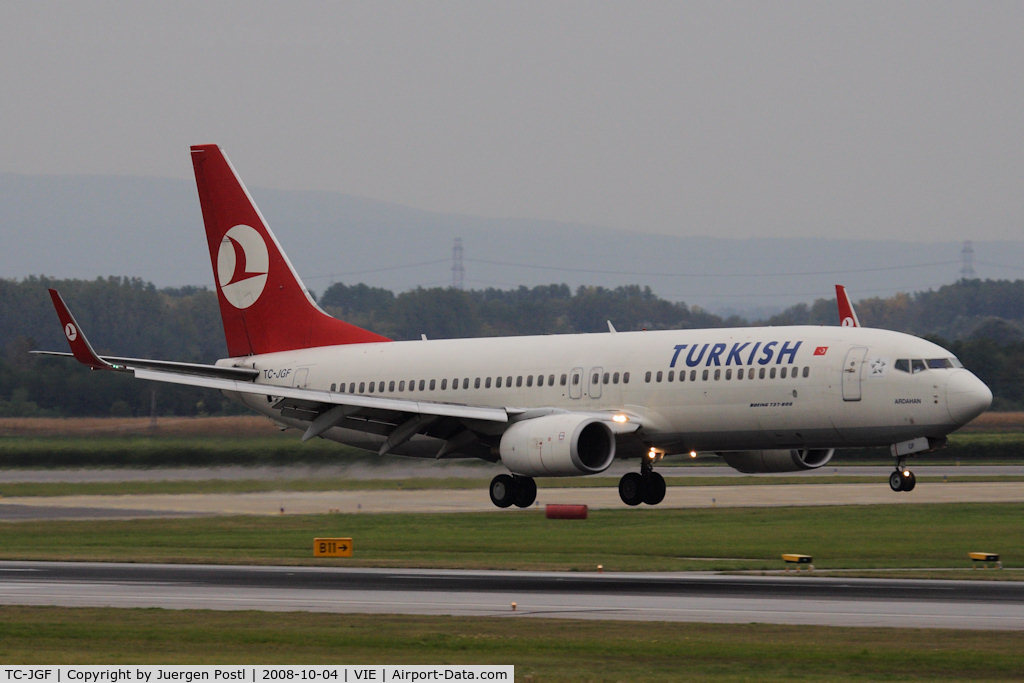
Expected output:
{"points": [[778, 460], [561, 445]]}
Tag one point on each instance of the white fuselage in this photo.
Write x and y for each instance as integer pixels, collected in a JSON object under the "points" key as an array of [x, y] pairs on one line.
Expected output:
{"points": [[703, 390]]}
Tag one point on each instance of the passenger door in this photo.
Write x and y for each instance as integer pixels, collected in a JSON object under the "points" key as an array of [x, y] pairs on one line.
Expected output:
{"points": [[852, 369]]}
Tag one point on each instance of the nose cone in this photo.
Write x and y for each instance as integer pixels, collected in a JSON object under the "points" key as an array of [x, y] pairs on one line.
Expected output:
{"points": [[967, 397]]}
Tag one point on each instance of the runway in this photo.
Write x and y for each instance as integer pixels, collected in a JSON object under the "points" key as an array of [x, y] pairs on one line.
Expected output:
{"points": [[477, 500], [676, 597]]}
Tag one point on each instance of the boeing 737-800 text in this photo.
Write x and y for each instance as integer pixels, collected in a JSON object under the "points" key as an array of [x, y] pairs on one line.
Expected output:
{"points": [[766, 399]]}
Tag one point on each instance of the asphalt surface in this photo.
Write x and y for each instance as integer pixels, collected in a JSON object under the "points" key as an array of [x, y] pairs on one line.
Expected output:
{"points": [[477, 500], [646, 597]]}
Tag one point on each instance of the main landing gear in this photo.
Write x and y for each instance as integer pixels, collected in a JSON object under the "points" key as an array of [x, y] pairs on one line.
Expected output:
{"points": [[509, 489], [902, 479], [647, 486]]}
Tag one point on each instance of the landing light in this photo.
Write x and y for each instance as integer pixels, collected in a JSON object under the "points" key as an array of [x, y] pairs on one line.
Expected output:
{"points": [[620, 418], [693, 454]]}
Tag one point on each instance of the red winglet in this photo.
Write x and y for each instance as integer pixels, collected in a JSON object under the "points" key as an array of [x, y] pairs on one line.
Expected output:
{"points": [[847, 316], [80, 346]]}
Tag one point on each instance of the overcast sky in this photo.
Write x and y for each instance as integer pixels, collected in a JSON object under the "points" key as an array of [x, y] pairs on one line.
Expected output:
{"points": [[862, 119]]}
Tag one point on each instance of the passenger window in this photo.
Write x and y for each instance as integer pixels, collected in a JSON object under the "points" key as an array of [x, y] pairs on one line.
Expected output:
{"points": [[693, 375], [551, 380], [771, 373], [371, 387], [718, 375], [508, 381], [596, 379], [401, 385], [647, 376], [807, 371], [607, 378], [705, 376], [332, 386], [575, 380], [728, 374], [391, 385], [519, 380], [615, 378], [433, 383], [465, 383], [497, 382], [750, 373], [782, 372], [760, 373], [362, 387], [487, 383], [625, 378], [540, 380], [444, 384], [916, 366], [476, 383], [380, 387], [658, 376], [671, 375], [529, 380], [565, 378]]}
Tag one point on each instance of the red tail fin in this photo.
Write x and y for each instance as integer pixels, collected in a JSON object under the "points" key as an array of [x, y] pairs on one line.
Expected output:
{"points": [[847, 316], [263, 304]]}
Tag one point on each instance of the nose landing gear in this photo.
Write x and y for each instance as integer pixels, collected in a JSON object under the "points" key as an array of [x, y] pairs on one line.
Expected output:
{"points": [[902, 479]]}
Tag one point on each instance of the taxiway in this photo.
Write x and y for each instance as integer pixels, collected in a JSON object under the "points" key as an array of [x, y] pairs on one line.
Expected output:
{"points": [[630, 596]]}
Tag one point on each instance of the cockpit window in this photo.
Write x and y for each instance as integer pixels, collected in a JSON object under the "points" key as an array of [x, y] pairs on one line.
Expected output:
{"points": [[916, 365]]}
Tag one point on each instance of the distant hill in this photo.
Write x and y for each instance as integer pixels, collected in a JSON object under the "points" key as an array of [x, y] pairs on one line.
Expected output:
{"points": [[150, 228]]}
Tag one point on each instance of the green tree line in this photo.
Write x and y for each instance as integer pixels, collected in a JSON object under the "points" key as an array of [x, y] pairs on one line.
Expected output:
{"points": [[981, 321]]}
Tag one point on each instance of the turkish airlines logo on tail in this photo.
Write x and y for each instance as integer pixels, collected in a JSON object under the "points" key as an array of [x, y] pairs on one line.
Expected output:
{"points": [[242, 266]]}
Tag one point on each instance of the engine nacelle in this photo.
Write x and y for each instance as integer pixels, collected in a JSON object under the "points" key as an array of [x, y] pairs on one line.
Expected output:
{"points": [[778, 460], [561, 445]]}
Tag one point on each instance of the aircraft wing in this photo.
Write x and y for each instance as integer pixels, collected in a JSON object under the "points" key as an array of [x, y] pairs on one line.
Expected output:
{"points": [[458, 425]]}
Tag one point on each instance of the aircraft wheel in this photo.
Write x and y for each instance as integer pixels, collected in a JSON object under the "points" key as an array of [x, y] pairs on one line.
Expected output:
{"points": [[524, 491], [653, 488], [502, 490], [631, 488], [896, 481], [909, 481]]}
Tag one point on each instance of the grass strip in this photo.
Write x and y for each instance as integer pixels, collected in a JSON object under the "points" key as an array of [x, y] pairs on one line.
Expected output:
{"points": [[211, 486], [751, 539], [540, 649]]}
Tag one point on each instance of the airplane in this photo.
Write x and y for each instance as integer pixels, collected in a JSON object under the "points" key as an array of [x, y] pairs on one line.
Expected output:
{"points": [[766, 399]]}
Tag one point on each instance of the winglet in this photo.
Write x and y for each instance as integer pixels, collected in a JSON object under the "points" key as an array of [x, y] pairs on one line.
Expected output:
{"points": [[847, 316], [80, 346]]}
